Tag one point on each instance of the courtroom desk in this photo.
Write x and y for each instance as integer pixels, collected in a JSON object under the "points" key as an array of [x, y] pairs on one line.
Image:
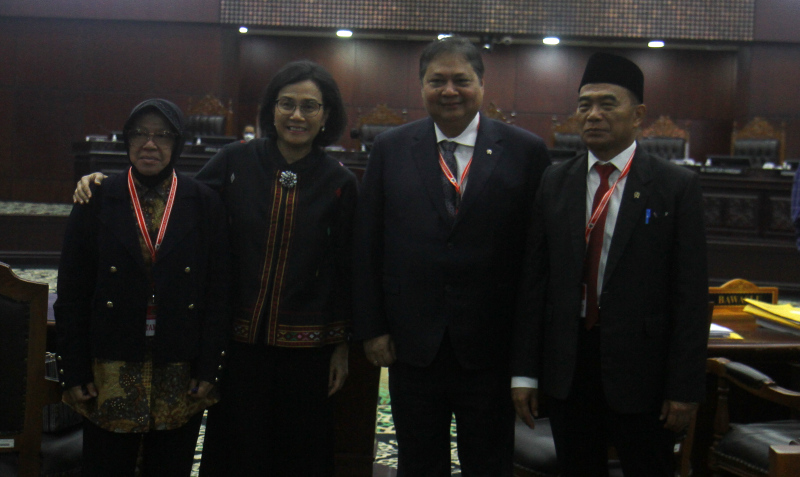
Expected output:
{"points": [[749, 228], [110, 157]]}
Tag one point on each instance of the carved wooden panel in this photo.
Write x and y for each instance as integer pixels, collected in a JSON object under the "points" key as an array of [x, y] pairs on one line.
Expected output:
{"points": [[731, 213], [381, 115], [780, 216], [496, 113], [571, 125], [211, 106], [665, 127]]}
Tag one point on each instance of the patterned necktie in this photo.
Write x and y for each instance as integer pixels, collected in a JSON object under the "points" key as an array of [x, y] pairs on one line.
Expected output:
{"points": [[591, 261], [451, 196]]}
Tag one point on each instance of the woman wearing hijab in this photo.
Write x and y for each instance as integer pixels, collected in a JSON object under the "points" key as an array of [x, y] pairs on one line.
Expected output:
{"points": [[290, 208], [142, 313]]}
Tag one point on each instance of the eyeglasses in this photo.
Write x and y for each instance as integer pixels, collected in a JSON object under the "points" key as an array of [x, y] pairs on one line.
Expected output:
{"points": [[140, 137], [308, 108]]}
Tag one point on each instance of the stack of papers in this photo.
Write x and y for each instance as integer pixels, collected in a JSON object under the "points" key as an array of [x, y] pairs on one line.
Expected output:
{"points": [[717, 331], [785, 318]]}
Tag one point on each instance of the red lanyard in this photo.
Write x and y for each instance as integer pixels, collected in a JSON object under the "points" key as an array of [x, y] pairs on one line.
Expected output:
{"points": [[140, 216], [449, 174], [451, 177], [607, 197]]}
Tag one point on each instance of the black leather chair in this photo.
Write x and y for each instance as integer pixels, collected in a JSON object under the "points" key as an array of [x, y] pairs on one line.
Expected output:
{"points": [[760, 141], [205, 125], [744, 449], [664, 147], [375, 122]]}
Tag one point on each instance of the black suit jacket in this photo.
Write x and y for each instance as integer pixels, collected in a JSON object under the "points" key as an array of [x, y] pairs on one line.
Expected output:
{"points": [[417, 271], [653, 304], [103, 286]]}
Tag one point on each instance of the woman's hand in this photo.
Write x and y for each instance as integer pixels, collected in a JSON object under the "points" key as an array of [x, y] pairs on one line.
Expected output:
{"points": [[339, 369], [199, 391], [82, 192], [80, 393]]}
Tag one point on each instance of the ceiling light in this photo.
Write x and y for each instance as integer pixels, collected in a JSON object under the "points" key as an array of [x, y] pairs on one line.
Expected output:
{"points": [[344, 33], [442, 36], [656, 44], [551, 40], [243, 29]]}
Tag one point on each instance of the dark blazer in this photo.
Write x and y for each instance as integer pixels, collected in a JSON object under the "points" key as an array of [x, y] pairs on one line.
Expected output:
{"points": [[418, 272], [103, 287], [653, 304]]}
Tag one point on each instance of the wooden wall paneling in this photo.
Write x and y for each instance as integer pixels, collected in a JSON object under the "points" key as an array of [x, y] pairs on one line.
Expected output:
{"points": [[185, 59], [709, 137], [547, 79], [7, 137], [386, 72], [500, 77], [8, 46], [777, 20], [775, 81], [49, 54]]}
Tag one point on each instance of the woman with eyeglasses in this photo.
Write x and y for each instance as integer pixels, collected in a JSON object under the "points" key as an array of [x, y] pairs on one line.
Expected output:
{"points": [[290, 209], [142, 312]]}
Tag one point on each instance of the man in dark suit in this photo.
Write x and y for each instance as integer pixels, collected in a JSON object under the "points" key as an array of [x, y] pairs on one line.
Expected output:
{"points": [[614, 319], [440, 234]]}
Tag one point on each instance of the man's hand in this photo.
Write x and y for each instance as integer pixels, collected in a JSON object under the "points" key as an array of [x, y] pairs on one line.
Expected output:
{"points": [[526, 403], [338, 369], [199, 390], [82, 192], [80, 393], [677, 415], [380, 350]]}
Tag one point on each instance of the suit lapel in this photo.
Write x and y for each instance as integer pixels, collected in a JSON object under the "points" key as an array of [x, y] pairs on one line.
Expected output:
{"points": [[119, 217], [424, 154], [485, 156], [634, 198], [576, 210], [181, 220]]}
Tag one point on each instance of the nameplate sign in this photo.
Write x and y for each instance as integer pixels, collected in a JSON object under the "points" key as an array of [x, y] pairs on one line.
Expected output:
{"points": [[6, 443], [737, 299]]}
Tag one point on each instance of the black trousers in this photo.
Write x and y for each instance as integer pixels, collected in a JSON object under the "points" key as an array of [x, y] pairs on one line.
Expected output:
{"points": [[584, 426], [166, 453], [423, 403], [274, 417]]}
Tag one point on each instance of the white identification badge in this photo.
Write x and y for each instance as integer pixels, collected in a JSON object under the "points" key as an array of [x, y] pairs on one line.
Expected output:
{"points": [[583, 300], [150, 321]]}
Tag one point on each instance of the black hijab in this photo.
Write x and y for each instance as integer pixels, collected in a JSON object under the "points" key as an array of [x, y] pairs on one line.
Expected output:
{"points": [[174, 116]]}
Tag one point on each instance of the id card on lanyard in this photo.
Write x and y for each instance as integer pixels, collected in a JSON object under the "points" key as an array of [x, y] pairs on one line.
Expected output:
{"points": [[150, 319]]}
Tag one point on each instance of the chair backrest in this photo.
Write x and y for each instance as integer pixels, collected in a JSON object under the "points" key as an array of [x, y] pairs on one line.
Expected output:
{"points": [[496, 113], [375, 122], [760, 141], [209, 117], [567, 135], [23, 322], [665, 139]]}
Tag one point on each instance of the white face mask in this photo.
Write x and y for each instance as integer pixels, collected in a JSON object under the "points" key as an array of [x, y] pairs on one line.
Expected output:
{"points": [[249, 136]]}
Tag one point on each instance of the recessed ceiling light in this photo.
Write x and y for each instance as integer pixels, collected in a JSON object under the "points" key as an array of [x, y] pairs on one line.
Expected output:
{"points": [[243, 29], [442, 36], [344, 33], [551, 40], [656, 44]]}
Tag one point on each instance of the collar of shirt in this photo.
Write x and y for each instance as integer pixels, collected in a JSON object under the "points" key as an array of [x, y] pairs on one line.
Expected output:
{"points": [[160, 191], [618, 161], [467, 137]]}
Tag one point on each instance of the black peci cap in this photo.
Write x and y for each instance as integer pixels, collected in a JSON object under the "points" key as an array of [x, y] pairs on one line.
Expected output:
{"points": [[614, 69]]}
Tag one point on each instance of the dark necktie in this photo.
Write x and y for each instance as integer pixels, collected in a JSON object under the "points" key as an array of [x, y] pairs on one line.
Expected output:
{"points": [[451, 196], [594, 248]]}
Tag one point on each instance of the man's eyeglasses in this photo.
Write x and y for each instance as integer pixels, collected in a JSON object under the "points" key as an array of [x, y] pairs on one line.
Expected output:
{"points": [[140, 137], [308, 108]]}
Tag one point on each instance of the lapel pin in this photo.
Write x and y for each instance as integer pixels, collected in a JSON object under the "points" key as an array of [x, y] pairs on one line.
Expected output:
{"points": [[636, 195], [233, 176], [489, 151]]}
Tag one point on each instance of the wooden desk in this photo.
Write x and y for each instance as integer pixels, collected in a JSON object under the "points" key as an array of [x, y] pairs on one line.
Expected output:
{"points": [[760, 345]]}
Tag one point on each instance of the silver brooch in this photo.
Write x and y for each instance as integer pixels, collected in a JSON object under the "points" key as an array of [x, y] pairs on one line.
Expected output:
{"points": [[288, 179]]}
